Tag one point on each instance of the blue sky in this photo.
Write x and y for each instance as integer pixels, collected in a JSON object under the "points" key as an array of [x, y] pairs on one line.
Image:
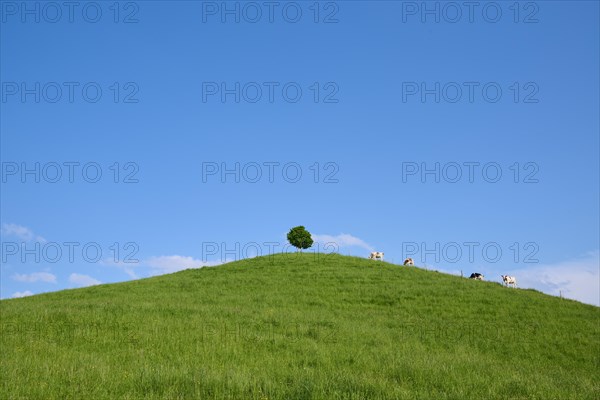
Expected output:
{"points": [[163, 100]]}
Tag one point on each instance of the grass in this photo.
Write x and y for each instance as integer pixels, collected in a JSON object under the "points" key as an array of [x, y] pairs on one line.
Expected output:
{"points": [[299, 326]]}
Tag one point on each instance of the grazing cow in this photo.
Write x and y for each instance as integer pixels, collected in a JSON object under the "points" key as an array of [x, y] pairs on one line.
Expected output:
{"points": [[509, 280], [476, 276], [409, 261], [376, 255]]}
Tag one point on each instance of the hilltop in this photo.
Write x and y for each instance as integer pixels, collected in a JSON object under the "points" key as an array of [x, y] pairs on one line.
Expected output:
{"points": [[300, 326]]}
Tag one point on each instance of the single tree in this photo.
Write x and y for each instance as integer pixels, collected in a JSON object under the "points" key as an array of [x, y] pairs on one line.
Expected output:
{"points": [[300, 238]]}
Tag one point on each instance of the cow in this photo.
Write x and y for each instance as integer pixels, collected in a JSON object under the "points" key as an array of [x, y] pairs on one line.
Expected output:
{"points": [[509, 280], [409, 261], [476, 276], [376, 255]]}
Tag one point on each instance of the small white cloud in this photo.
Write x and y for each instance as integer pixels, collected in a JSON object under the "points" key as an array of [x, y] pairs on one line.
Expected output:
{"points": [[127, 267], [159, 265], [131, 273], [83, 280], [35, 277], [577, 279], [168, 264], [342, 240], [22, 294], [20, 232]]}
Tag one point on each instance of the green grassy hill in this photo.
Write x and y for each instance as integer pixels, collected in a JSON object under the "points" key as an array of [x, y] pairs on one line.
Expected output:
{"points": [[300, 327]]}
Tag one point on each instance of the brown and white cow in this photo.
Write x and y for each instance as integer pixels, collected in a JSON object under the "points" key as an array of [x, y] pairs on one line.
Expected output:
{"points": [[376, 255], [409, 261]]}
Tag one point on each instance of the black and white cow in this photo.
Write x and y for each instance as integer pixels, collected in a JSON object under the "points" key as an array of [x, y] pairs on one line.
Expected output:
{"points": [[509, 280], [477, 276], [409, 261]]}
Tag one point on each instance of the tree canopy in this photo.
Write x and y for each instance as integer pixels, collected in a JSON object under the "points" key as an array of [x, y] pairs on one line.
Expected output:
{"points": [[300, 238]]}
